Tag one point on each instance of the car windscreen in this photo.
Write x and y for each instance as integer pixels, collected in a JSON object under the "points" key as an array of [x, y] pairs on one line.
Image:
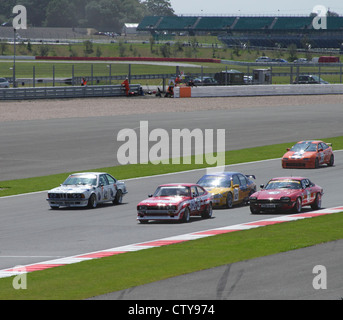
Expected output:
{"points": [[215, 182], [283, 184], [81, 180], [304, 147], [167, 191]]}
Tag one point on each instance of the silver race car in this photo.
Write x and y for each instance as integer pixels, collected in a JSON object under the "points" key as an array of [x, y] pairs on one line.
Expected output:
{"points": [[87, 189]]}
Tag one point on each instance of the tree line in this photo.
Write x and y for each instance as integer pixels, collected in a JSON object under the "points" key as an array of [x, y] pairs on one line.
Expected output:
{"points": [[105, 15]]}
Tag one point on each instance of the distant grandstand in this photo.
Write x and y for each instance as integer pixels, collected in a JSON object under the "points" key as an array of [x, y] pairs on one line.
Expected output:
{"points": [[264, 31]]}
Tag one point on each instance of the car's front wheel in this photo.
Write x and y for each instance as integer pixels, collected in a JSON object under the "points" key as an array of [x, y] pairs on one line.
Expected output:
{"points": [[298, 206], [186, 216], [92, 203], [229, 201]]}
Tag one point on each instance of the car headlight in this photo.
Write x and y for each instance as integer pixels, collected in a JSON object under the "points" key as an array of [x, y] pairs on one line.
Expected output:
{"points": [[142, 208], [253, 199]]}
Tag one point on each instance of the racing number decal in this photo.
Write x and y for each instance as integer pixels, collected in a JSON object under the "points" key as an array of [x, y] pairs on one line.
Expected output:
{"points": [[235, 194]]}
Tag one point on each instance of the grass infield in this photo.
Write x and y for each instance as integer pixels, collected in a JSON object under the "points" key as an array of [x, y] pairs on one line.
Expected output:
{"points": [[96, 277]]}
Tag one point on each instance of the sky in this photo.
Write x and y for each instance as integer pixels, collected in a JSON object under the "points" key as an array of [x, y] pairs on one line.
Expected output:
{"points": [[252, 7]]}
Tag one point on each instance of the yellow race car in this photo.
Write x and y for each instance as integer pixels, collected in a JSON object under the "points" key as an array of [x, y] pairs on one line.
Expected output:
{"points": [[228, 188]]}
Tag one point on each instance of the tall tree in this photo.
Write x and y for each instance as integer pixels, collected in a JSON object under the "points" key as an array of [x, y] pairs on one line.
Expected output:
{"points": [[159, 7]]}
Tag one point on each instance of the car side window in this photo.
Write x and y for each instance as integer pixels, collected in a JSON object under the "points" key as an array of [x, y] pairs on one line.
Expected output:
{"points": [[103, 180], [303, 184], [242, 180], [194, 191], [324, 146], [235, 179], [110, 179], [201, 191]]}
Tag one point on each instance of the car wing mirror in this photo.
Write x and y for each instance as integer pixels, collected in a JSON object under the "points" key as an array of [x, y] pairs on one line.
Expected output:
{"points": [[262, 186], [150, 195]]}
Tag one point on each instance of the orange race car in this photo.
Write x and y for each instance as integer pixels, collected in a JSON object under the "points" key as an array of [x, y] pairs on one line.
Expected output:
{"points": [[308, 154]]}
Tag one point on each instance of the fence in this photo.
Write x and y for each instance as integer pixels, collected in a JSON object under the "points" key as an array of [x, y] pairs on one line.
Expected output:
{"points": [[65, 92]]}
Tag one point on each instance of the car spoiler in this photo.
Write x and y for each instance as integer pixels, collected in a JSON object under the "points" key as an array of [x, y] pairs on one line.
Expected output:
{"points": [[329, 144], [250, 176]]}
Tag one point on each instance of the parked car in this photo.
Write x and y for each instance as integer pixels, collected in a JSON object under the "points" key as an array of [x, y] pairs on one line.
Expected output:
{"points": [[263, 59], [308, 154], [205, 81], [309, 79], [176, 202], [87, 189], [286, 194], [301, 60], [4, 83]]}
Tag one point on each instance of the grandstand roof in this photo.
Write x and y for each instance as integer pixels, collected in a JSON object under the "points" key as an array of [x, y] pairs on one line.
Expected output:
{"points": [[235, 23]]}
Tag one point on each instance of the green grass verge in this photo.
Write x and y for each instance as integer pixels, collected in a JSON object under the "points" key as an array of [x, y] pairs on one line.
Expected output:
{"points": [[101, 276], [14, 187]]}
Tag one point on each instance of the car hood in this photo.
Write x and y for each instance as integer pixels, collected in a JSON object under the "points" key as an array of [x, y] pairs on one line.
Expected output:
{"points": [[299, 155], [71, 189], [217, 190], [274, 194], [153, 201]]}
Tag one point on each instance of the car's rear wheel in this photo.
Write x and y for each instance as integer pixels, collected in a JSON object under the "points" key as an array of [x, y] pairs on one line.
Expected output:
{"points": [[207, 212], [317, 204], [92, 203], [119, 197], [332, 161], [298, 205]]}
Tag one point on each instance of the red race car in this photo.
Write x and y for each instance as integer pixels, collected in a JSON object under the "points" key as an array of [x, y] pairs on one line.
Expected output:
{"points": [[176, 202], [308, 154], [286, 194]]}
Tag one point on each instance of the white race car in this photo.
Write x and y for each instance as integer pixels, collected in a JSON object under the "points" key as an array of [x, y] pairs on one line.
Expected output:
{"points": [[87, 189]]}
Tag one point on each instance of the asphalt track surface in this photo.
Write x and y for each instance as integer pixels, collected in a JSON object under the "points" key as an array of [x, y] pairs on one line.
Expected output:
{"points": [[43, 147], [30, 232]]}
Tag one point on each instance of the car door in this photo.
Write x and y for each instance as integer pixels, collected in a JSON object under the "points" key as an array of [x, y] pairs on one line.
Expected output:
{"points": [[244, 190], [235, 188], [306, 192], [112, 186], [202, 198], [105, 189], [195, 202], [326, 151]]}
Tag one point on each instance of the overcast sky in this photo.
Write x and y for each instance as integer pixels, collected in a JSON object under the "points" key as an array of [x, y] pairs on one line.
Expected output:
{"points": [[253, 7]]}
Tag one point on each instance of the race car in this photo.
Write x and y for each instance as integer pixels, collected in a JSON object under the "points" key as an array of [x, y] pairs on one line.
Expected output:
{"points": [[178, 201], [308, 154], [286, 194], [87, 189], [228, 188]]}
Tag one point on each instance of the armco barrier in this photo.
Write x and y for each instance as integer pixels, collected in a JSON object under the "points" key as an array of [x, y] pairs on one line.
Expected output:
{"points": [[257, 90], [64, 92], [142, 59]]}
